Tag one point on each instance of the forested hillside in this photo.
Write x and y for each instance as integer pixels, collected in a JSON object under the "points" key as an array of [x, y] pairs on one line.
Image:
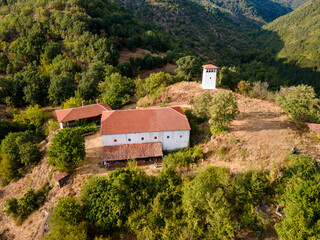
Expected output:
{"points": [[210, 32], [46, 47], [299, 33], [257, 10]]}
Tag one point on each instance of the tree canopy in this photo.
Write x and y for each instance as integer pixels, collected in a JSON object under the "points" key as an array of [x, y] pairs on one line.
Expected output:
{"points": [[67, 150]]}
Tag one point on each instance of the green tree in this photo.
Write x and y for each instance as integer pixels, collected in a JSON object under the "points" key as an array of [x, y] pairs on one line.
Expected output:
{"points": [[4, 61], [300, 102], [8, 168], [36, 86], [62, 78], [205, 202], [5, 128], [189, 68], [125, 189], [88, 86], [34, 118], [72, 102], [67, 221], [224, 109], [229, 77], [116, 90], [67, 150], [202, 105], [302, 212], [154, 84], [27, 202]]}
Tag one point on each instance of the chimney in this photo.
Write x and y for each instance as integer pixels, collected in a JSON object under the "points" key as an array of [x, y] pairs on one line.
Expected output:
{"points": [[98, 101], [83, 102]]}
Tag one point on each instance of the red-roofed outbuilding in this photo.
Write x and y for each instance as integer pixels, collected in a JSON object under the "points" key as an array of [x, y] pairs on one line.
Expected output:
{"points": [[92, 113]]}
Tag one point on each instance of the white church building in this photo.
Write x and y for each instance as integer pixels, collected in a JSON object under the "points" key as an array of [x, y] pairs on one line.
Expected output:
{"points": [[209, 76]]}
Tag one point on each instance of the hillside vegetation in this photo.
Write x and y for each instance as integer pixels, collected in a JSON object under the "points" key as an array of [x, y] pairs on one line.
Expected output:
{"points": [[299, 32], [209, 32]]}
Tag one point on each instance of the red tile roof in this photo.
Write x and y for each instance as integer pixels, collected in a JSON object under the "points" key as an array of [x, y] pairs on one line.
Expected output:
{"points": [[144, 120], [315, 127], [210, 66], [83, 112], [132, 151]]}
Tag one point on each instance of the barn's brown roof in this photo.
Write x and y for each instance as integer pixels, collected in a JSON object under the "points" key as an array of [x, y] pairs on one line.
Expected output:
{"points": [[315, 127], [83, 112], [132, 151], [60, 176], [210, 66], [144, 120]]}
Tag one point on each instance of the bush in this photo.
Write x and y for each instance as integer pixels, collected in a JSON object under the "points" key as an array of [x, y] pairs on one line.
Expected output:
{"points": [[182, 157], [86, 128], [67, 150], [300, 102], [244, 87], [259, 90], [26, 204]]}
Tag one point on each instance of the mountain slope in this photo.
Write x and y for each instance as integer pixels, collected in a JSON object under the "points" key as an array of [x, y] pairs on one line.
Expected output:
{"points": [[260, 11], [299, 33], [210, 32]]}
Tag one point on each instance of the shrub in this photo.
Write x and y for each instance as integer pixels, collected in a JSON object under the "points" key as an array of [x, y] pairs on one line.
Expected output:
{"points": [[300, 102], [259, 90], [182, 157], [244, 87], [86, 128]]}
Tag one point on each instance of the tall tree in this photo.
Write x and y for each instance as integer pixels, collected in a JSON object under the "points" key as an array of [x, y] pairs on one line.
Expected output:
{"points": [[67, 150]]}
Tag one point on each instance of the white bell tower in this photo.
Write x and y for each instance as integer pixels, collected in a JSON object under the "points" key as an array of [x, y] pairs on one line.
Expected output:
{"points": [[209, 76]]}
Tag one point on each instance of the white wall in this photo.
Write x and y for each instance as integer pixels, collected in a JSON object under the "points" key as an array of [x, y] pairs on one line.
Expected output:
{"points": [[170, 140], [209, 79]]}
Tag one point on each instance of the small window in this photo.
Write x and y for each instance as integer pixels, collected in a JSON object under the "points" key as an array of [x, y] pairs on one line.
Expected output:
{"points": [[115, 140], [155, 137], [168, 137], [129, 139], [142, 138]]}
